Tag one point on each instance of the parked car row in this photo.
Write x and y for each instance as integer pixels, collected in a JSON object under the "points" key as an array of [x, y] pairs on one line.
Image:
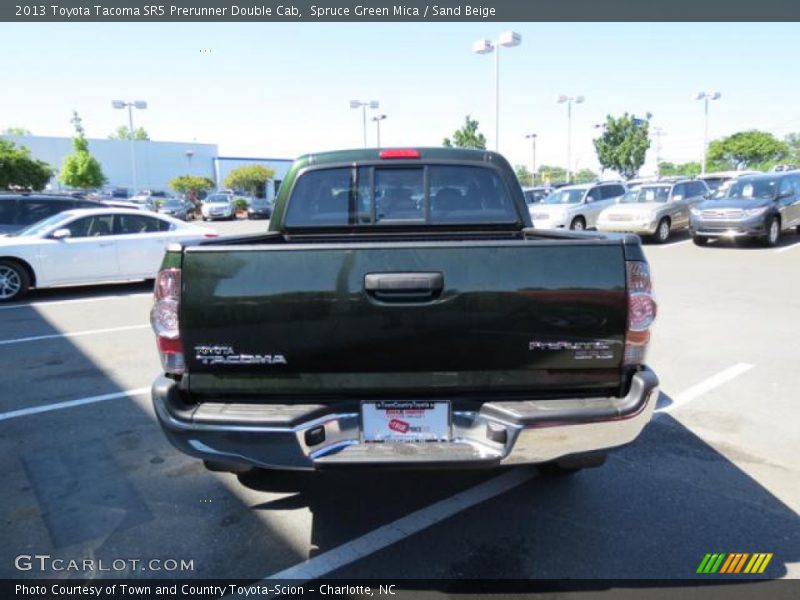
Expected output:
{"points": [[731, 204]]}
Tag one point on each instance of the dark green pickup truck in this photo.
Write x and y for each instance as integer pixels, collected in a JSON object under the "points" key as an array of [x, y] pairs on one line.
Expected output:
{"points": [[401, 310]]}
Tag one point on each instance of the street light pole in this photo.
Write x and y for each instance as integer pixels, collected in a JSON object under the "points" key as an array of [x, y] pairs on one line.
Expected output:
{"points": [[532, 137], [378, 120], [373, 104], [140, 104], [658, 133], [509, 39], [569, 100], [706, 96]]}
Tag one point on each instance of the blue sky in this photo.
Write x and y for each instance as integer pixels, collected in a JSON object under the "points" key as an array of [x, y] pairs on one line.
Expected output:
{"points": [[278, 90]]}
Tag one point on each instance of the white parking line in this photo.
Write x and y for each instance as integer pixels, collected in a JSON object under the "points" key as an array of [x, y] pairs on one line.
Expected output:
{"points": [[785, 248], [75, 301], [34, 410], [706, 386], [404, 527], [70, 335]]}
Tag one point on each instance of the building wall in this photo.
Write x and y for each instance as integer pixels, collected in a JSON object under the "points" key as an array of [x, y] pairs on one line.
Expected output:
{"points": [[156, 162]]}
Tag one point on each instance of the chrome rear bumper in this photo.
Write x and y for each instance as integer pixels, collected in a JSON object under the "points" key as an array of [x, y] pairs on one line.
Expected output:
{"points": [[314, 436]]}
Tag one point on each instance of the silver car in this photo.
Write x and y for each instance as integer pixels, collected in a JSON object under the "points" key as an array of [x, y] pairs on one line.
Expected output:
{"points": [[575, 206], [654, 209]]}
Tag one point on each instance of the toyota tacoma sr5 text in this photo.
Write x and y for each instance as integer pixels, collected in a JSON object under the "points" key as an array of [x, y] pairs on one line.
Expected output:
{"points": [[401, 310]]}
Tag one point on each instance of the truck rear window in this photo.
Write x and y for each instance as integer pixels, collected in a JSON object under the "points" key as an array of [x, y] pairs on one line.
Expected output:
{"points": [[431, 194]]}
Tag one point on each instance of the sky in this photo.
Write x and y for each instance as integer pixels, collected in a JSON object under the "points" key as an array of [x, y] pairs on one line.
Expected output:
{"points": [[283, 89]]}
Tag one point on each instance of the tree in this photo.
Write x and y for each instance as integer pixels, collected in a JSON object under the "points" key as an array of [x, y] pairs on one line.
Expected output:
{"points": [[793, 142], [548, 174], [249, 178], [467, 137], [16, 131], [747, 149], [191, 184], [689, 169], [18, 170], [524, 175], [623, 145], [584, 176], [81, 170], [124, 133]]}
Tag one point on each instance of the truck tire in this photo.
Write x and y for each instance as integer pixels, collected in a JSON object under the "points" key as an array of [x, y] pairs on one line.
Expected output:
{"points": [[700, 240], [568, 466], [14, 280]]}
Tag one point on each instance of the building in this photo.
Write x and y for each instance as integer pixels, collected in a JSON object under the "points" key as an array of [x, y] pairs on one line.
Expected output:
{"points": [[156, 162]]}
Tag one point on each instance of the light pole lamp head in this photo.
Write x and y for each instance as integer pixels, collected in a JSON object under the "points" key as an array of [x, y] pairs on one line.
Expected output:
{"points": [[529, 136], [716, 96], [509, 39], [378, 118], [482, 47], [373, 104], [140, 104], [189, 154], [355, 104], [579, 99], [562, 98], [117, 104], [700, 96]]}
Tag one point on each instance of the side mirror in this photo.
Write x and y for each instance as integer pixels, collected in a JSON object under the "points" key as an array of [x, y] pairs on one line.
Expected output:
{"points": [[61, 234]]}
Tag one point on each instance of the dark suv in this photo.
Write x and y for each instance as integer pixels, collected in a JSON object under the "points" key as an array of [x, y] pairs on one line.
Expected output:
{"points": [[17, 211], [760, 206]]}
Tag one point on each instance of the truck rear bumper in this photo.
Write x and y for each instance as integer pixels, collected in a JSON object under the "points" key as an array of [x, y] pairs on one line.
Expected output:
{"points": [[315, 436]]}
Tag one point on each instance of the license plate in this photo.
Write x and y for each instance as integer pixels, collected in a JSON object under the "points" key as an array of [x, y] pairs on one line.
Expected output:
{"points": [[405, 421]]}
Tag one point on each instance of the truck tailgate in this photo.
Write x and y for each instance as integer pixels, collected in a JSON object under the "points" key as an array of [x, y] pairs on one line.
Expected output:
{"points": [[423, 318]]}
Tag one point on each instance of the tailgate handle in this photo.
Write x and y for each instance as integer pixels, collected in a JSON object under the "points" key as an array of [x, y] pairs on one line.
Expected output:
{"points": [[403, 286]]}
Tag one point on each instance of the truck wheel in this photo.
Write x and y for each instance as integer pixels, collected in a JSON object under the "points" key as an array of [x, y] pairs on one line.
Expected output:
{"points": [[14, 280], [568, 466], [773, 232], [662, 231], [578, 224], [700, 240]]}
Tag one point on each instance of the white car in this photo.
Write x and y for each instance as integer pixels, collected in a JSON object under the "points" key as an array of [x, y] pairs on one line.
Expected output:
{"points": [[84, 246], [575, 206], [218, 206]]}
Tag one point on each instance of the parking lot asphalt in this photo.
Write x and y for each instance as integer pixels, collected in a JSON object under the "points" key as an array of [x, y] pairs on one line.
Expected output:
{"points": [[87, 473]]}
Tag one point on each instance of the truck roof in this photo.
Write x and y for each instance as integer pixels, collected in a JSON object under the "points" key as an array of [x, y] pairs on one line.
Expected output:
{"points": [[425, 153]]}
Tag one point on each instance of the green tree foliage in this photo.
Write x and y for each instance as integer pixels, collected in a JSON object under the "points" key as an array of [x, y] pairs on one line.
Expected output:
{"points": [[623, 145], [18, 170], [123, 133], [549, 174], [81, 170], [249, 178], [746, 149], [793, 142], [467, 137], [689, 169], [524, 175], [584, 176], [191, 185], [16, 131]]}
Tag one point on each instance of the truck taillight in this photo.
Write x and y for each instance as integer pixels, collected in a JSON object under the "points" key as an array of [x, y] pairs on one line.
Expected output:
{"points": [[641, 312], [164, 320]]}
